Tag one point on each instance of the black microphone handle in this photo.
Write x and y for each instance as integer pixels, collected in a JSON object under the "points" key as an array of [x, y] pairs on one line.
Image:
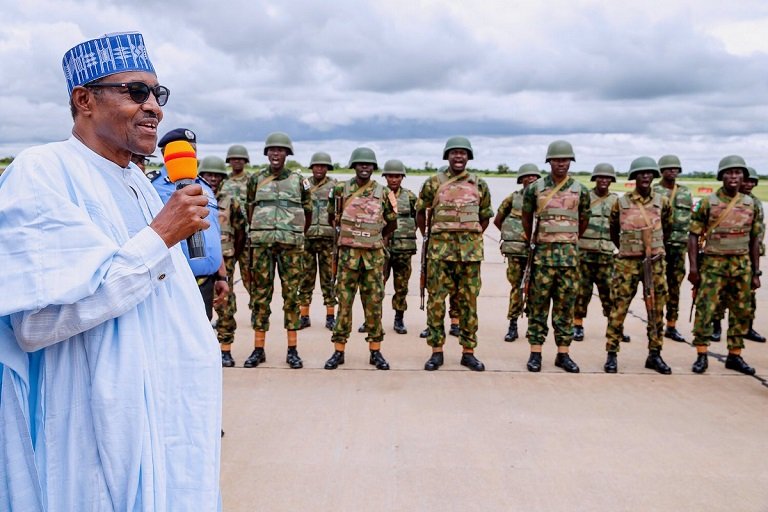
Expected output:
{"points": [[195, 243]]}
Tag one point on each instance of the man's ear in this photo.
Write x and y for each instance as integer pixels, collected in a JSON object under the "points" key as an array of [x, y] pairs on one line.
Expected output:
{"points": [[82, 100]]}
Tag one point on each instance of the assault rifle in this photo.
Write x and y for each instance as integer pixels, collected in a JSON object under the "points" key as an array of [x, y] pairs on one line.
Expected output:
{"points": [[649, 294], [424, 248], [338, 206], [699, 257], [525, 283]]}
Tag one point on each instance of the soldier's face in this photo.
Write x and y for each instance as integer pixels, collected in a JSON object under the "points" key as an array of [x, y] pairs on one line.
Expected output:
{"points": [[214, 179], [237, 164], [363, 171], [602, 184], [559, 166], [670, 174], [319, 171], [457, 159], [732, 179], [394, 181], [527, 180], [747, 186], [276, 157], [643, 181]]}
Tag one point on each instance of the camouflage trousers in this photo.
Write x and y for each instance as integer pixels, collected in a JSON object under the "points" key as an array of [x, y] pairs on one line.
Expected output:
{"points": [[318, 259], [515, 271], [289, 263], [731, 292], [370, 281], [225, 323], [461, 280], [558, 286], [719, 313], [400, 268], [593, 273], [628, 275], [675, 258]]}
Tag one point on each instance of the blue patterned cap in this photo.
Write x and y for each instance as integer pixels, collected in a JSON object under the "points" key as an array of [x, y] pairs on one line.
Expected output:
{"points": [[107, 55]]}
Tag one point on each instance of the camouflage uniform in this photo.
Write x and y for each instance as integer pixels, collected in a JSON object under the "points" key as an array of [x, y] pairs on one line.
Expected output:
{"points": [[361, 256], [676, 245], [725, 269], [277, 240], [554, 274], [233, 224], [318, 246], [515, 248], [596, 260], [454, 253], [402, 247], [628, 216]]}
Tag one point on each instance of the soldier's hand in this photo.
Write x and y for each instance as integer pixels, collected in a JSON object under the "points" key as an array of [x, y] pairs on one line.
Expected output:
{"points": [[183, 215], [693, 277], [755, 282], [221, 291]]}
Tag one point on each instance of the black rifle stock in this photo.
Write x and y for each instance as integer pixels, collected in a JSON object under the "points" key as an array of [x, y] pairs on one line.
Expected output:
{"points": [[424, 248]]}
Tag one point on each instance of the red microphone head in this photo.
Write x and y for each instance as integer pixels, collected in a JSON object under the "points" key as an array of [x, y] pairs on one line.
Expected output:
{"points": [[180, 161]]}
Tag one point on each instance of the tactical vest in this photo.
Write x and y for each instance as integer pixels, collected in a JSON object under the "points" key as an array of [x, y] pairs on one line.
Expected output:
{"points": [[363, 219], [681, 204], [225, 222], [597, 236], [320, 227], [512, 241], [632, 222], [731, 236], [404, 237], [278, 215], [559, 219], [457, 206]]}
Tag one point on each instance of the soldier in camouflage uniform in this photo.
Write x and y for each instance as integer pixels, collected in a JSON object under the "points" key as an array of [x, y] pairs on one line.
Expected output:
{"points": [[461, 210], [280, 212], [730, 266], [596, 249], [233, 241], [676, 245], [514, 246], [561, 206], [746, 188], [367, 218], [641, 210], [318, 243]]}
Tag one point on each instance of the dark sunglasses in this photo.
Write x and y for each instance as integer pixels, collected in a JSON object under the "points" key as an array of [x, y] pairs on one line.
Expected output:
{"points": [[139, 91]]}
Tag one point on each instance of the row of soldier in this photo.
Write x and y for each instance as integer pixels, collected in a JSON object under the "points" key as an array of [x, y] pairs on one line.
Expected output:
{"points": [[559, 239]]}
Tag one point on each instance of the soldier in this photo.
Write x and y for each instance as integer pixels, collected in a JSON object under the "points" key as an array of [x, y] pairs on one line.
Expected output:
{"points": [[318, 243], [746, 188], [461, 206], [638, 211], [367, 217], [596, 249], [233, 241], [280, 209], [729, 221], [514, 246], [676, 245], [561, 206]]}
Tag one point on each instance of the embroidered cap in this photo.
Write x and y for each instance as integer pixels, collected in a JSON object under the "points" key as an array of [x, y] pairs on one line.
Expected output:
{"points": [[104, 56]]}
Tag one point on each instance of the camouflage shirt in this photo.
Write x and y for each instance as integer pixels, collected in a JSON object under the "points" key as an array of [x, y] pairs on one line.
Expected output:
{"points": [[681, 204], [237, 187], [455, 245], [556, 254], [760, 212], [355, 257], [232, 221]]}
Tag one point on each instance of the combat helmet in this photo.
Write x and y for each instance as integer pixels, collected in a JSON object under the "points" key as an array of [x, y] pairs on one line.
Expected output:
{"points": [[278, 140], [753, 175], [670, 162], [321, 158], [363, 156], [528, 170], [603, 169], [393, 167], [237, 151], [732, 162], [458, 143], [560, 149], [213, 164], [643, 163]]}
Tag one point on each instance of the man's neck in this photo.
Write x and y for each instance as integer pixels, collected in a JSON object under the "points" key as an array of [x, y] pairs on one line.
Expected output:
{"points": [[557, 179], [275, 171], [362, 182], [600, 193], [670, 184]]}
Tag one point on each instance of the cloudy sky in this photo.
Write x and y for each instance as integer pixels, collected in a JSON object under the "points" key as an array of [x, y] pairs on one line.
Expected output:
{"points": [[618, 80]]}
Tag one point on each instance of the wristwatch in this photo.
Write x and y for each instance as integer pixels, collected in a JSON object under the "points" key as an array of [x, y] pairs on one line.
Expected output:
{"points": [[221, 278], [759, 273]]}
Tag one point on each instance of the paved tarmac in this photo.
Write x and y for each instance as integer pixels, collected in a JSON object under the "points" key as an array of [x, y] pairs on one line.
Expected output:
{"points": [[358, 439]]}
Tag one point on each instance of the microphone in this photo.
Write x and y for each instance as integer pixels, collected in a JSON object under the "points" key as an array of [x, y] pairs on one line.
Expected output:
{"points": [[181, 164]]}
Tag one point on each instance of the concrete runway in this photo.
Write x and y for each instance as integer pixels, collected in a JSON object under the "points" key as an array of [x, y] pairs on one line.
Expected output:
{"points": [[358, 439]]}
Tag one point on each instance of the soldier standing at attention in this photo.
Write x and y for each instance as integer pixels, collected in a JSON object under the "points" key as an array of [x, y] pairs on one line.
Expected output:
{"points": [[514, 246], [642, 209], [367, 217], [561, 206], [461, 210], [746, 188], [318, 243], [596, 249], [676, 245], [280, 209], [730, 267]]}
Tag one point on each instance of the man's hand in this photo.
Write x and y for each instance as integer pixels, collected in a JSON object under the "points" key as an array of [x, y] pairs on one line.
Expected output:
{"points": [[693, 277], [182, 216], [221, 291]]}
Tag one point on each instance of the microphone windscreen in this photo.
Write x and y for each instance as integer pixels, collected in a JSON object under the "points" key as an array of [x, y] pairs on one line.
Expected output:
{"points": [[180, 161]]}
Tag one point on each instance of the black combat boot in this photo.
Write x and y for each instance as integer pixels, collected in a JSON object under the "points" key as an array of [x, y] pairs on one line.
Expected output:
{"points": [[470, 361], [362, 328], [673, 334], [655, 362], [578, 333], [226, 359], [735, 362], [511, 331], [255, 359], [434, 362], [701, 364], [335, 360], [304, 322], [534, 362], [625, 338], [293, 359], [399, 325], [330, 322], [378, 360], [717, 330], [753, 335], [454, 330], [424, 333], [563, 360], [611, 363]]}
